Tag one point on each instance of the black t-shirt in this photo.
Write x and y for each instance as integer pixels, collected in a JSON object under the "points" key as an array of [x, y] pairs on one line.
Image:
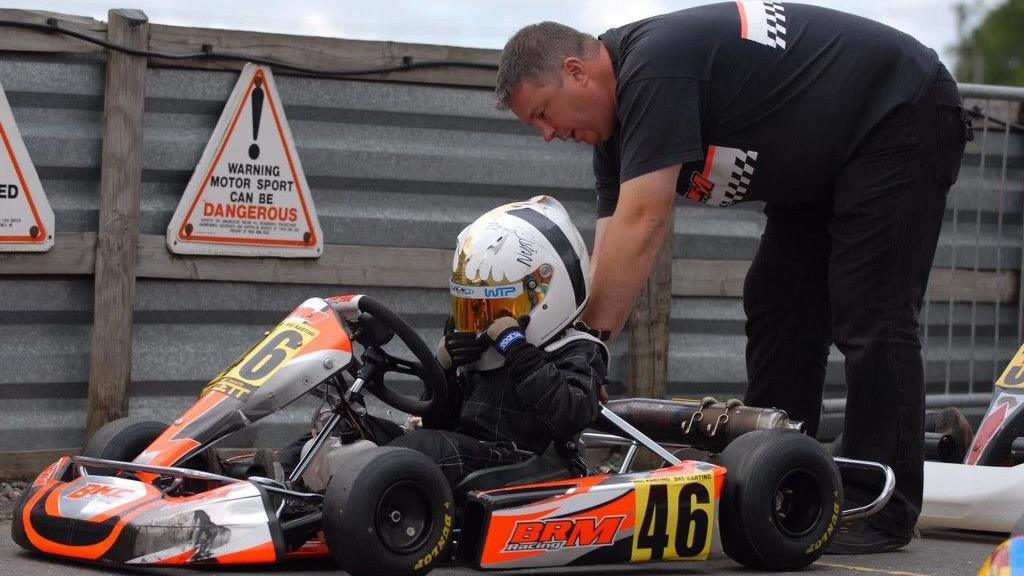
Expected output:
{"points": [[756, 100]]}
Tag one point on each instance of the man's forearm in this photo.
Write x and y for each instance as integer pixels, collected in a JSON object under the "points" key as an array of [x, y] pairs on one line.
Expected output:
{"points": [[622, 263], [626, 246]]}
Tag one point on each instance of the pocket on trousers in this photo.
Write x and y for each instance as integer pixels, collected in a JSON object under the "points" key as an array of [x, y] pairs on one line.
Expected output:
{"points": [[954, 130]]}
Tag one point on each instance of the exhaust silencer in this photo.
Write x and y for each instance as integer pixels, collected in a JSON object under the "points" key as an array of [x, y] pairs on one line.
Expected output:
{"points": [[707, 425]]}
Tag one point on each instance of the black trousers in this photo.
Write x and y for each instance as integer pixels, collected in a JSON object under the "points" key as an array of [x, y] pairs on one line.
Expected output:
{"points": [[852, 269], [457, 454]]}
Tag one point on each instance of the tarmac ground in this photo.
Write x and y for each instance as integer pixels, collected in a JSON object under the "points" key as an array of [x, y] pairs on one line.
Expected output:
{"points": [[936, 553]]}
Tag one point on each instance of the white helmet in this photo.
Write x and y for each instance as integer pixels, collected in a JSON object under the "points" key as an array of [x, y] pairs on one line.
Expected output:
{"points": [[520, 259]]}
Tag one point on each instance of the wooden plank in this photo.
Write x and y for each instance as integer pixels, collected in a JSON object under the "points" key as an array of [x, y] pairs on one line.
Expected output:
{"points": [[72, 254], [649, 331], [118, 235], [971, 286], [339, 264], [321, 53], [16, 39], [27, 464], [709, 277], [647, 375], [724, 278]]}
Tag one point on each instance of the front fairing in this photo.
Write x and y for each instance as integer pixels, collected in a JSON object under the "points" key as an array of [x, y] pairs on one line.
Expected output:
{"points": [[299, 353], [122, 520], [1004, 419]]}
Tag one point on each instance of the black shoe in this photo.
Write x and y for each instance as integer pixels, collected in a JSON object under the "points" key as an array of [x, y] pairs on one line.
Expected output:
{"points": [[858, 537]]}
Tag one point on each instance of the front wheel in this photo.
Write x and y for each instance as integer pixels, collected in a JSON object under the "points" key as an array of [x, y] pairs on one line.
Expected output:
{"points": [[388, 511], [782, 500], [122, 440]]}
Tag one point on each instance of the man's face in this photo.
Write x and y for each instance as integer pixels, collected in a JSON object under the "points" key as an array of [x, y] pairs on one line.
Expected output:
{"points": [[577, 110]]}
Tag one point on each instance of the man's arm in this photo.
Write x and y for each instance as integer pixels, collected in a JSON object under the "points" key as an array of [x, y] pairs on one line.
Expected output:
{"points": [[599, 230], [626, 246]]}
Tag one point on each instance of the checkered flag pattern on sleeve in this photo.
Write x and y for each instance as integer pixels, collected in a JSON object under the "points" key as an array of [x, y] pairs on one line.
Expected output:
{"points": [[739, 177]]}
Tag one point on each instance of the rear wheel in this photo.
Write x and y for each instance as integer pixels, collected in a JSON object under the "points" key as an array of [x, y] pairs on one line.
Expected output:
{"points": [[122, 440], [388, 511], [782, 499]]}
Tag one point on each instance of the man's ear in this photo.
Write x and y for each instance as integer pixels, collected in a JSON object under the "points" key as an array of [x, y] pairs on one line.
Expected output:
{"points": [[574, 68]]}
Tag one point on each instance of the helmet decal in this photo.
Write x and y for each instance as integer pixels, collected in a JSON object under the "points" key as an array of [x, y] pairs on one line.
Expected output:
{"points": [[482, 292], [562, 246]]}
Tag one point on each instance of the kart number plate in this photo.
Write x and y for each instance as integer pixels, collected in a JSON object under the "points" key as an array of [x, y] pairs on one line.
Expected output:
{"points": [[674, 518], [263, 360]]}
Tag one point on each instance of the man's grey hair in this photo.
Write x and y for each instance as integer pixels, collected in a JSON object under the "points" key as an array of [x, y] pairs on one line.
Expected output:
{"points": [[535, 54]]}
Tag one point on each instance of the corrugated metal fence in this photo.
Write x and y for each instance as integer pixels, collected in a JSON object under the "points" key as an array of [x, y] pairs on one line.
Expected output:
{"points": [[396, 169]]}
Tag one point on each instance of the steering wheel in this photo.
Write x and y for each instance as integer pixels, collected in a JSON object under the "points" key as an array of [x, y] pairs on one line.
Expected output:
{"points": [[425, 367]]}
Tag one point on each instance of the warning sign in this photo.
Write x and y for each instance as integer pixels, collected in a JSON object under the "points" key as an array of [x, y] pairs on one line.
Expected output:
{"points": [[248, 196], [26, 220]]}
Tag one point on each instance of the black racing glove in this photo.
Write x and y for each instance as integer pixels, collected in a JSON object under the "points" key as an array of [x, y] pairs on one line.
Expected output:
{"points": [[457, 348]]}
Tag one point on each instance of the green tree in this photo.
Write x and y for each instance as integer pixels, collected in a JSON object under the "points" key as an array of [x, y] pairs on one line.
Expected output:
{"points": [[993, 53]]}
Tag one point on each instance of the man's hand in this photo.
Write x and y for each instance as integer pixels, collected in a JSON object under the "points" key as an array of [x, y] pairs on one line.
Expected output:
{"points": [[457, 348], [505, 333]]}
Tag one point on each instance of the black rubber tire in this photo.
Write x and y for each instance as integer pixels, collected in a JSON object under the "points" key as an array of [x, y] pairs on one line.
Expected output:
{"points": [[837, 445], [122, 440], [266, 464], [353, 517], [17, 527], [760, 527]]}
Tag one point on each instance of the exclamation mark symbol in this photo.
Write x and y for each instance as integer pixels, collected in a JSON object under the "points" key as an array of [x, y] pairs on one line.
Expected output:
{"points": [[257, 111]]}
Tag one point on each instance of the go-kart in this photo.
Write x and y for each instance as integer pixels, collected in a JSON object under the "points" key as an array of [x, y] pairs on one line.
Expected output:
{"points": [[976, 482], [142, 492]]}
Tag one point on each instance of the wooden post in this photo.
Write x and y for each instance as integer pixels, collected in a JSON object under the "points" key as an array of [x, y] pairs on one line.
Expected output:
{"points": [[648, 339], [118, 235], [648, 329]]}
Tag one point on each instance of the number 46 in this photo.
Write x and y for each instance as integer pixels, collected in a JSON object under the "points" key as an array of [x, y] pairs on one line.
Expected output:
{"points": [[672, 527]]}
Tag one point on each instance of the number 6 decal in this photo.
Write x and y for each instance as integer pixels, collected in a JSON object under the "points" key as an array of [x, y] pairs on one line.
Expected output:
{"points": [[270, 355], [261, 362]]}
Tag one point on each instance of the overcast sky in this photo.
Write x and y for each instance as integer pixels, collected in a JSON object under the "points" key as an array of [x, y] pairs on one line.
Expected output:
{"points": [[479, 23]]}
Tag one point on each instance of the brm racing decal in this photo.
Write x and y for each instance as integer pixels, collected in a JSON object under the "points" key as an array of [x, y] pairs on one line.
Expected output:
{"points": [[100, 492], [725, 178], [558, 533]]}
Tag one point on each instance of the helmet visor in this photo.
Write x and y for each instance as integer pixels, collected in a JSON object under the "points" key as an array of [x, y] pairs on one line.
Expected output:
{"points": [[474, 307]]}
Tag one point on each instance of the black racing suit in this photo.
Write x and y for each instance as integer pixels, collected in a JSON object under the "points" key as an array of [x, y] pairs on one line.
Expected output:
{"points": [[537, 397]]}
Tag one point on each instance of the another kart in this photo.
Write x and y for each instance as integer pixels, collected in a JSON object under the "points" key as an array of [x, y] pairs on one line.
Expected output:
{"points": [[977, 483], [146, 493]]}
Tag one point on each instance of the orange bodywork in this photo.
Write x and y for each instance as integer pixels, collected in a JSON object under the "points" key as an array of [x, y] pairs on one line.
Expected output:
{"points": [[609, 515]]}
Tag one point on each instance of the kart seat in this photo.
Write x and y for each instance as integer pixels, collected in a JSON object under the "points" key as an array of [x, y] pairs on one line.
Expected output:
{"points": [[552, 464]]}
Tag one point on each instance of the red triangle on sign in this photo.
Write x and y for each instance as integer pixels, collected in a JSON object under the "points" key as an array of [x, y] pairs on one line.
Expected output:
{"points": [[185, 231]]}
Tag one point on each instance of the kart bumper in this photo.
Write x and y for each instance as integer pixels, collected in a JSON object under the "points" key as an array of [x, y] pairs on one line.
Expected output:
{"points": [[71, 513]]}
